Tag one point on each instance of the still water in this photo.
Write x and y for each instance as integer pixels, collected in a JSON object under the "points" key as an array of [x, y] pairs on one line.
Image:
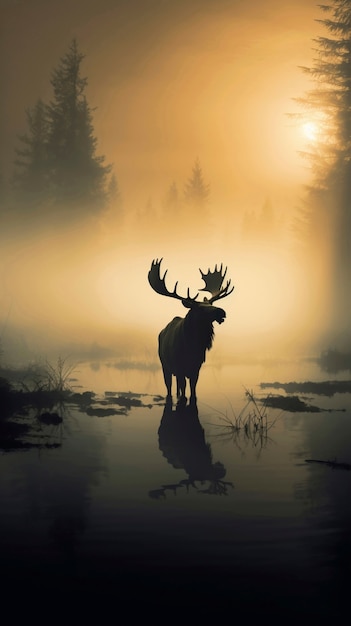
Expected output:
{"points": [[145, 514]]}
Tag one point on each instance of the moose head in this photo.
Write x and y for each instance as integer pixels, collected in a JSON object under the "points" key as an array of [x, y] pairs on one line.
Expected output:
{"points": [[184, 341]]}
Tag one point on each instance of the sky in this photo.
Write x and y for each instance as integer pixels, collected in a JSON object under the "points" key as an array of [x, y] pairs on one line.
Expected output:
{"points": [[169, 82], [173, 81]]}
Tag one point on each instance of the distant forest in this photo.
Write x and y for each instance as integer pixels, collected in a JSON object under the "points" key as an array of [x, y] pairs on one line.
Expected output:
{"points": [[57, 172], [56, 165]]}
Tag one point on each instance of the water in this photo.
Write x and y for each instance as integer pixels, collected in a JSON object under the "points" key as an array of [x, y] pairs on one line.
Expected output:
{"points": [[156, 516]]}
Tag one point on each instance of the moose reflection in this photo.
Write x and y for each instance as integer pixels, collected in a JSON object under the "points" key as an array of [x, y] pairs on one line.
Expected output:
{"points": [[182, 442], [184, 341]]}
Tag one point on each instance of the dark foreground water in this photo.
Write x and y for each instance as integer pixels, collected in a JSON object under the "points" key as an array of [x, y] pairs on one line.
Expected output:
{"points": [[152, 515]]}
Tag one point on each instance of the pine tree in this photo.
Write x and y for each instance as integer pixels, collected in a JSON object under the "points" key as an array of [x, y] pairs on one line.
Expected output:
{"points": [[196, 191], [329, 207], [171, 202], [77, 175], [267, 221], [32, 175], [114, 195]]}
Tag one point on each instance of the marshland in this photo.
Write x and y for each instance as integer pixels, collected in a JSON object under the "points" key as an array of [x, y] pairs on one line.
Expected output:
{"points": [[166, 160]]}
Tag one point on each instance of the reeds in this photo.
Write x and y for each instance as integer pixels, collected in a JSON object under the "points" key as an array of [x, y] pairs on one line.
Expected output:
{"points": [[250, 425], [55, 379], [58, 377]]}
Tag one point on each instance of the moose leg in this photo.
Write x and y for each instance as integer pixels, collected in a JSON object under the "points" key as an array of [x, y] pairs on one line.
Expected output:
{"points": [[167, 375], [181, 386], [193, 383]]}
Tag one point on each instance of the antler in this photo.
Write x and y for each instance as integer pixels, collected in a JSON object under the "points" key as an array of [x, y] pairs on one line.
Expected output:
{"points": [[158, 284], [213, 281]]}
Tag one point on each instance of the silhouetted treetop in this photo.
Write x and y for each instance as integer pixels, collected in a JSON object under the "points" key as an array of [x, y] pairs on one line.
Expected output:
{"points": [[196, 191], [330, 97], [57, 156], [32, 174], [171, 200], [77, 174], [114, 195]]}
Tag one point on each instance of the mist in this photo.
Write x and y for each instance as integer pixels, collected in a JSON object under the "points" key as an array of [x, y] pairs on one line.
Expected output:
{"points": [[82, 290], [173, 87]]}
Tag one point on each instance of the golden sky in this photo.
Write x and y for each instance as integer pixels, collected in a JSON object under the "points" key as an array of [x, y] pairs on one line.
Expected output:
{"points": [[173, 80]]}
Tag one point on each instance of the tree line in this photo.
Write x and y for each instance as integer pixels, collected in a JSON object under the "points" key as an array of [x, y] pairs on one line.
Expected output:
{"points": [[57, 168]]}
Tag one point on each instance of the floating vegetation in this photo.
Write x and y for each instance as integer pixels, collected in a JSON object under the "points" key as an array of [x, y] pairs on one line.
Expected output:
{"points": [[325, 388], [98, 411], [293, 404], [35, 401], [126, 401]]}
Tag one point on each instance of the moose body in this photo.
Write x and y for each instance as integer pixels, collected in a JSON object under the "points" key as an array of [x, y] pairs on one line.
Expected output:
{"points": [[184, 341], [183, 344]]}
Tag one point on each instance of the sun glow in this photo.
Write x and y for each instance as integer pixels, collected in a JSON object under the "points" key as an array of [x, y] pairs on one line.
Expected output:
{"points": [[310, 130]]}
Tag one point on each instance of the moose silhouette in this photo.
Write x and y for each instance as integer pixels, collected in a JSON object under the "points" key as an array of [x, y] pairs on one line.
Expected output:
{"points": [[184, 341]]}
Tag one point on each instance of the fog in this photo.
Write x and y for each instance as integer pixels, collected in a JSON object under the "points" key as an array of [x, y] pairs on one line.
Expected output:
{"points": [[171, 83], [83, 290]]}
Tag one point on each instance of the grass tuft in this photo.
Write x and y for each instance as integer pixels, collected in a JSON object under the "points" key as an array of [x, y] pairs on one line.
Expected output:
{"points": [[251, 424], [49, 378]]}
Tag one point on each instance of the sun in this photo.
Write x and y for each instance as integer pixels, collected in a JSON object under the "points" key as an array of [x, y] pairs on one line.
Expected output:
{"points": [[310, 130]]}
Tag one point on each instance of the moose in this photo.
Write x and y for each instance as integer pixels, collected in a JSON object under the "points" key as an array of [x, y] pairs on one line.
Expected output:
{"points": [[182, 344]]}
